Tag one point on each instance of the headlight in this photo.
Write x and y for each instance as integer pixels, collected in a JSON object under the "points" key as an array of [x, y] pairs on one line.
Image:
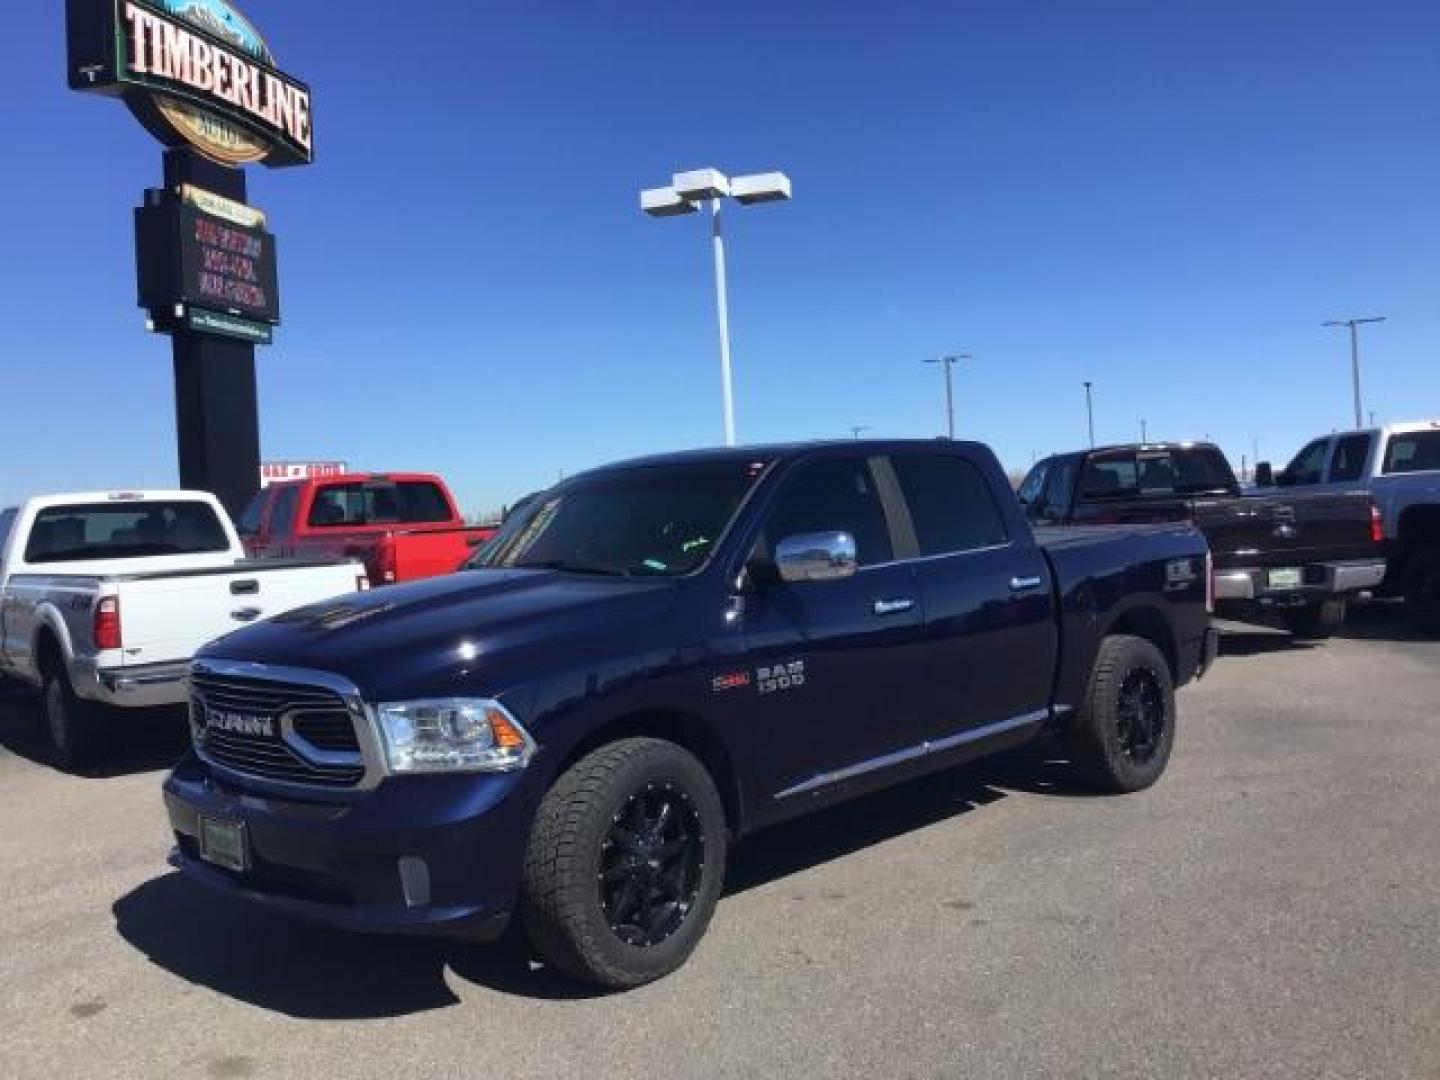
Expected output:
{"points": [[452, 735]]}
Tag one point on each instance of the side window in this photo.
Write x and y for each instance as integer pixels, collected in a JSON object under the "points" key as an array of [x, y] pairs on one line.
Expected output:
{"points": [[1309, 465], [1029, 492], [1110, 476], [827, 496], [422, 501], [249, 523], [7, 522], [1419, 451], [1055, 503], [950, 504], [1348, 461], [282, 517]]}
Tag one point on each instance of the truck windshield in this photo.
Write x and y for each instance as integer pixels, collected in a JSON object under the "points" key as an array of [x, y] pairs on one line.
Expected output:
{"points": [[120, 530], [656, 521]]}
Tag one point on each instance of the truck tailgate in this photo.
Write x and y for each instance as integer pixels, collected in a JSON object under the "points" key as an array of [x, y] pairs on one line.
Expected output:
{"points": [[1279, 530], [166, 617]]}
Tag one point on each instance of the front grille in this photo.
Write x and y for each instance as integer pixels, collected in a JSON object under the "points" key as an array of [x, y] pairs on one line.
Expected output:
{"points": [[320, 748]]}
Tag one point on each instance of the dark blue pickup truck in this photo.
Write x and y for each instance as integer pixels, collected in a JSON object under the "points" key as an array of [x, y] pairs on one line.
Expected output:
{"points": [[655, 658]]}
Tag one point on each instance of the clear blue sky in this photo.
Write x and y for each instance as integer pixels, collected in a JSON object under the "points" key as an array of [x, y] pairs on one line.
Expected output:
{"points": [[1167, 199]]}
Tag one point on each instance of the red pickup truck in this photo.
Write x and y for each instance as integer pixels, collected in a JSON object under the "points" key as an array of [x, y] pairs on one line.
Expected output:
{"points": [[402, 526]]}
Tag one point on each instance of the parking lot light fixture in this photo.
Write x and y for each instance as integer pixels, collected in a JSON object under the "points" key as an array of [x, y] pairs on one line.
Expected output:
{"points": [[686, 192]]}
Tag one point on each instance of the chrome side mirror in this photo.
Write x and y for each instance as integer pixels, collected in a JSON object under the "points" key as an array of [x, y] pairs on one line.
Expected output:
{"points": [[827, 556]]}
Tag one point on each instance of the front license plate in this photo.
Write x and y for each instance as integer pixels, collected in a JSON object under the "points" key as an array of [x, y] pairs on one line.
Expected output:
{"points": [[1286, 579], [223, 843]]}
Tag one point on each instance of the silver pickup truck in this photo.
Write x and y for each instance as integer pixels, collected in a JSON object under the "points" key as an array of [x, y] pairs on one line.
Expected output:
{"points": [[104, 597], [1400, 466]]}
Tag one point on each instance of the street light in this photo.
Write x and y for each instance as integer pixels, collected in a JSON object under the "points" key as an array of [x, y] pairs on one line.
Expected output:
{"points": [[948, 363], [686, 192], [1354, 325], [1090, 411], [1144, 431], [856, 430]]}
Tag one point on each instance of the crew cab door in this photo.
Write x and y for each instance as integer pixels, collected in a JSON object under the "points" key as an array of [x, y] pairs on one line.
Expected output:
{"points": [[991, 632], [832, 679]]}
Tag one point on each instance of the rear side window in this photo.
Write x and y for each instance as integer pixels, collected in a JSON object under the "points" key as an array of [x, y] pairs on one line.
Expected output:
{"points": [[1059, 487], [951, 506], [1417, 452], [1110, 476], [834, 496], [1029, 492], [411, 502], [124, 530], [1348, 461]]}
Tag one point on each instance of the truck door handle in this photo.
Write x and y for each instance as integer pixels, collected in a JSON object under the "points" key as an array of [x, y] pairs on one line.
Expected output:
{"points": [[1025, 584], [249, 587], [893, 607], [245, 614]]}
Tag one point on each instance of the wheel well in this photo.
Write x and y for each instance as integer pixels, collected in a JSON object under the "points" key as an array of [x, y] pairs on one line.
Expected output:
{"points": [[684, 729], [1148, 623], [48, 654], [1420, 527]]}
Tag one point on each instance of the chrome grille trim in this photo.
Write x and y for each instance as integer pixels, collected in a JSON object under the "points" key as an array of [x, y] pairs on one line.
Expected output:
{"points": [[292, 762]]}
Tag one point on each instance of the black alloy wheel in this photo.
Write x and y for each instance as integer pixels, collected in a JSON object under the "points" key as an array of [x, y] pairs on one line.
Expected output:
{"points": [[652, 861], [1141, 715]]}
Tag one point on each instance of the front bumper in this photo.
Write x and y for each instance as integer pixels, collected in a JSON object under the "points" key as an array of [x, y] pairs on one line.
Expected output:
{"points": [[1318, 581], [420, 854]]}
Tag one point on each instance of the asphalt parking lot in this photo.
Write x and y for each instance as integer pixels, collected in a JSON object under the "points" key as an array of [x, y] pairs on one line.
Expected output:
{"points": [[1271, 909]]}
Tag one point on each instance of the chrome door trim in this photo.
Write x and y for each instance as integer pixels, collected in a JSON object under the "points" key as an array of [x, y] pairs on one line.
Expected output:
{"points": [[911, 753]]}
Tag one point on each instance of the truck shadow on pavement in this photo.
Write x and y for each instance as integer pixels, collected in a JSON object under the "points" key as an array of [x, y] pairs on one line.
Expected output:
{"points": [[142, 740], [310, 972]]}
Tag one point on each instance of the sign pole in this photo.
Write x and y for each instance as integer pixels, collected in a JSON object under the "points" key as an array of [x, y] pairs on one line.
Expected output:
{"points": [[216, 400]]}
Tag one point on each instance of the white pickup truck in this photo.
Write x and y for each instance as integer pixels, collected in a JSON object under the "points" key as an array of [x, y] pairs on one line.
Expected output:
{"points": [[105, 596]]}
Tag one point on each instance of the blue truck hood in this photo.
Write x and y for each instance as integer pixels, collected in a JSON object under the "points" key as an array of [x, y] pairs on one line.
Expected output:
{"points": [[451, 634]]}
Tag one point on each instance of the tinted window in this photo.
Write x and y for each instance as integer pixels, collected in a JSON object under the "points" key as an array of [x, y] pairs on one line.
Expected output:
{"points": [[282, 515], [249, 523], [409, 502], [123, 530], [1348, 462], [662, 520], [1182, 470], [834, 496], [1059, 486], [1309, 465], [951, 506], [1417, 452], [1110, 476], [1030, 490]]}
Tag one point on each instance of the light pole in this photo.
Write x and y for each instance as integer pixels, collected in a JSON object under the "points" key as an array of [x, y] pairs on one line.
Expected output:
{"points": [[948, 363], [857, 429], [1354, 325], [1144, 431], [1090, 411], [686, 192]]}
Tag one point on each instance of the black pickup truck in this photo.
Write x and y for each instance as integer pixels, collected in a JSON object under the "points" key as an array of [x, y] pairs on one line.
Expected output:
{"points": [[1296, 557], [654, 658]]}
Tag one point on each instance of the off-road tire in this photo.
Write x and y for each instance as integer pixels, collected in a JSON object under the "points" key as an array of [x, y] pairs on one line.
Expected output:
{"points": [[1097, 737], [1317, 621], [72, 725], [561, 902]]}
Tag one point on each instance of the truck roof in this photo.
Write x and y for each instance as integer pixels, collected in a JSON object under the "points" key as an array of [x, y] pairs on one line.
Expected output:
{"points": [[1184, 444], [772, 451], [65, 498]]}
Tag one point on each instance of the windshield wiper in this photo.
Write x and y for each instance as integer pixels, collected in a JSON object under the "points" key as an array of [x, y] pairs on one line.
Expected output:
{"points": [[571, 567]]}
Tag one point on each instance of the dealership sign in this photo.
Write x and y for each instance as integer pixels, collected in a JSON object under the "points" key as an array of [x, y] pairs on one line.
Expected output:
{"points": [[272, 471], [196, 73]]}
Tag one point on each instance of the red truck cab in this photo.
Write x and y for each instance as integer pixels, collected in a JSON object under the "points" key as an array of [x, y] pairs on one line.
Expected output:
{"points": [[402, 526]]}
